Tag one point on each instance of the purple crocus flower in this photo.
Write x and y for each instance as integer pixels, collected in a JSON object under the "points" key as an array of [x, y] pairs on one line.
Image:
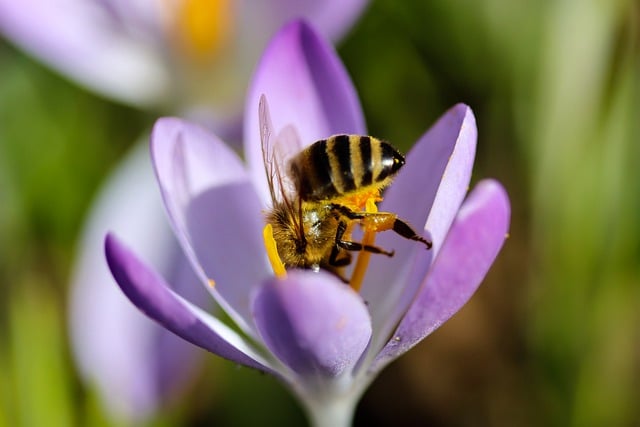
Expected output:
{"points": [[323, 339], [189, 57]]}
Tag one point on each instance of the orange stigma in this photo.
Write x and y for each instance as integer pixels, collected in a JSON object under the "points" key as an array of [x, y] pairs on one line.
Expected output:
{"points": [[368, 239]]}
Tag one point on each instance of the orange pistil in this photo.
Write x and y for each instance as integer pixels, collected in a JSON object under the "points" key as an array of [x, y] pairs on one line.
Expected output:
{"points": [[368, 238]]}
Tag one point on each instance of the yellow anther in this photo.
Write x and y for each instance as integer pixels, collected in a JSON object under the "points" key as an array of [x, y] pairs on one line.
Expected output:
{"points": [[368, 239], [272, 252], [203, 27], [212, 283]]}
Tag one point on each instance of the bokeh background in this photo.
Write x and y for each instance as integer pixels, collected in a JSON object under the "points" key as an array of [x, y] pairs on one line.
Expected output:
{"points": [[553, 335]]}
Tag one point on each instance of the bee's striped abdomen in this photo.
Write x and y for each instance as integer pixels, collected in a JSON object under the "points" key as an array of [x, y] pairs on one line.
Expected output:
{"points": [[343, 164]]}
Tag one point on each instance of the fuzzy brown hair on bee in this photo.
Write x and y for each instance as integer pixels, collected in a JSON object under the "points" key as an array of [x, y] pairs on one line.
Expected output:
{"points": [[319, 194]]}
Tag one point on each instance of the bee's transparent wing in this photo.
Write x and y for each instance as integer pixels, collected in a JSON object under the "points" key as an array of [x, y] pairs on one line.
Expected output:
{"points": [[266, 135], [276, 153], [286, 146]]}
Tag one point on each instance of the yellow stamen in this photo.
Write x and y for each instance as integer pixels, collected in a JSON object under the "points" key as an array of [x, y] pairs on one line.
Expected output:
{"points": [[368, 238], [272, 252], [203, 27], [212, 283]]}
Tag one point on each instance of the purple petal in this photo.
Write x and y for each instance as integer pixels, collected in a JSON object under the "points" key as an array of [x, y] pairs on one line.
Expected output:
{"points": [[428, 190], [214, 210], [331, 17], [80, 39], [312, 322], [306, 86], [102, 319], [469, 250], [150, 293]]}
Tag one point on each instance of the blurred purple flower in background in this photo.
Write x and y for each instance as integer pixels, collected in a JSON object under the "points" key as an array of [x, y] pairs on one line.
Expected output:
{"points": [[190, 57], [177, 55], [128, 359], [324, 340]]}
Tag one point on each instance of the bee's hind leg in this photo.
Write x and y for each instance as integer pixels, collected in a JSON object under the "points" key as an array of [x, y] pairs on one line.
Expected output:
{"points": [[405, 230], [382, 221]]}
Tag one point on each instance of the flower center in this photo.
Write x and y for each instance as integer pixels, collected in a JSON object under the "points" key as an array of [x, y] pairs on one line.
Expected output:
{"points": [[369, 225], [203, 27]]}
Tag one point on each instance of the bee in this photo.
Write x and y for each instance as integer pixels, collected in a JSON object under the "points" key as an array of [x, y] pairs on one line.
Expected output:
{"points": [[320, 192]]}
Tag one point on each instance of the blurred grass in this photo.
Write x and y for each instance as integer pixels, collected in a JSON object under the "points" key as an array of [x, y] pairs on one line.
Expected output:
{"points": [[56, 144], [553, 336], [41, 391]]}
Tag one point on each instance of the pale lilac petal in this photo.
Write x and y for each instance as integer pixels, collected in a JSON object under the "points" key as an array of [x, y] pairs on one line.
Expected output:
{"points": [[214, 210], [306, 86], [428, 190], [150, 293], [102, 319], [470, 248], [80, 39], [312, 322], [335, 17], [332, 18]]}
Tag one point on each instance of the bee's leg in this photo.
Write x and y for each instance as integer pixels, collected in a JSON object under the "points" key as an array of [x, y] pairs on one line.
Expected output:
{"points": [[382, 221], [343, 261], [405, 230], [343, 210], [354, 246]]}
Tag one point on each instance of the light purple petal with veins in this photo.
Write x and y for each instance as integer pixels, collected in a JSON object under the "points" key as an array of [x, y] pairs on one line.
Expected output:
{"points": [[471, 246], [214, 210], [306, 86], [428, 190], [150, 293], [80, 39], [312, 322]]}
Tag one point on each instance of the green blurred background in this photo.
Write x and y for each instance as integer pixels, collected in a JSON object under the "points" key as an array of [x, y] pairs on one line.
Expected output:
{"points": [[553, 335]]}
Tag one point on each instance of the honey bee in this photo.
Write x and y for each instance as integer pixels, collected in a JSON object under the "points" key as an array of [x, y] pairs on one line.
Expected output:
{"points": [[319, 193]]}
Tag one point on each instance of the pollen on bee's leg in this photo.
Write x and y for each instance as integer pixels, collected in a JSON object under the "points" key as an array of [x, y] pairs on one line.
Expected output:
{"points": [[272, 252], [368, 239]]}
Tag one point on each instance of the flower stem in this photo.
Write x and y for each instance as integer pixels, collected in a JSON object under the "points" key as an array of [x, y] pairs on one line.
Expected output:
{"points": [[332, 413]]}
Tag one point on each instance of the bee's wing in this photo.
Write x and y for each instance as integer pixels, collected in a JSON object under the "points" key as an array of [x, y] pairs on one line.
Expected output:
{"points": [[276, 153], [266, 134], [286, 146]]}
